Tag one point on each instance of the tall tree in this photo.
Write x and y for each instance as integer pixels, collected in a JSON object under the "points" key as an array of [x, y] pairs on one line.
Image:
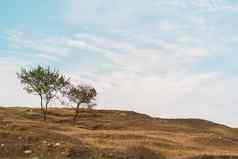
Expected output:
{"points": [[81, 94], [43, 81]]}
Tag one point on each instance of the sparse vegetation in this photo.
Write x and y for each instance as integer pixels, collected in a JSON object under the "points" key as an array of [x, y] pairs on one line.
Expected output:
{"points": [[108, 134], [49, 84], [140, 151], [81, 94], [102, 134], [214, 157], [43, 81]]}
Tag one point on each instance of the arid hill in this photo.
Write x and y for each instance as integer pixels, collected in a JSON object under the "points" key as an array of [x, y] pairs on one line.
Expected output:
{"points": [[108, 134]]}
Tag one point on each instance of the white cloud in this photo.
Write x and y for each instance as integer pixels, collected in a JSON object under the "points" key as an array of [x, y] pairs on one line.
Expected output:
{"points": [[144, 57], [159, 81], [167, 27], [11, 93], [41, 46], [157, 74], [207, 96]]}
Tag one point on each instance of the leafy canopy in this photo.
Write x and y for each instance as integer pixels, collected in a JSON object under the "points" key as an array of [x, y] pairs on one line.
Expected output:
{"points": [[45, 82], [82, 94]]}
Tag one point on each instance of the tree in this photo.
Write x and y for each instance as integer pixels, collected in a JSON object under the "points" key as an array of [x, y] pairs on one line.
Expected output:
{"points": [[43, 81], [81, 94]]}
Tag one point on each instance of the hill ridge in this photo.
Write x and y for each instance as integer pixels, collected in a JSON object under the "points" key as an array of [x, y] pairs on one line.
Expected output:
{"points": [[111, 131]]}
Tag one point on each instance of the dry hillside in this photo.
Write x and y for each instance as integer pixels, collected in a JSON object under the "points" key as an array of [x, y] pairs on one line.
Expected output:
{"points": [[107, 134]]}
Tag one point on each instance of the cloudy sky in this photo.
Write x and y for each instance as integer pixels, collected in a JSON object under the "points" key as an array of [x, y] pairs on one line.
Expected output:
{"points": [[173, 59]]}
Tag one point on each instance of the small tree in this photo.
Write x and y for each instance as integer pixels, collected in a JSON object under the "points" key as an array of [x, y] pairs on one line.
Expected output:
{"points": [[81, 94], [45, 82]]}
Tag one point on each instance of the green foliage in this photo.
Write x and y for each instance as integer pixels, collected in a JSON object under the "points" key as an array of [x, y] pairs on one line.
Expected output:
{"points": [[50, 84], [81, 94], [43, 81]]}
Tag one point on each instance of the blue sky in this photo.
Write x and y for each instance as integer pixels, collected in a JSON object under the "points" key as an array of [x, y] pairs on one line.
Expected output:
{"points": [[174, 59]]}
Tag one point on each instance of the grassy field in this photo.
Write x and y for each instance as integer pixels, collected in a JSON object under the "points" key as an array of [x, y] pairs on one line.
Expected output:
{"points": [[108, 134]]}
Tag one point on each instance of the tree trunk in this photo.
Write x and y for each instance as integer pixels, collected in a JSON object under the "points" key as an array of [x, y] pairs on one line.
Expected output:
{"points": [[76, 114], [41, 102], [43, 110], [46, 109], [44, 113]]}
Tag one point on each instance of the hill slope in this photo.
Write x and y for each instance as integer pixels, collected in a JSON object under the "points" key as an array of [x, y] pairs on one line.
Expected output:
{"points": [[107, 134]]}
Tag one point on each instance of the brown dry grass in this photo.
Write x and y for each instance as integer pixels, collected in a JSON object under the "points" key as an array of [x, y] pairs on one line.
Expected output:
{"points": [[110, 134]]}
